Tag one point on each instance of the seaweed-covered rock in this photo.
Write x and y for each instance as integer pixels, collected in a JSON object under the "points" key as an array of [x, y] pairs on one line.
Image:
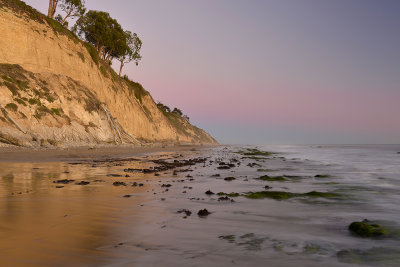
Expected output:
{"points": [[366, 229]]}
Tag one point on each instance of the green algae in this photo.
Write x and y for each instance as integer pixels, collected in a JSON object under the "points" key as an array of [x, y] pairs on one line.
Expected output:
{"points": [[320, 194], [367, 229], [322, 176], [256, 152], [249, 241], [376, 256], [278, 195], [282, 195], [230, 238], [272, 178], [311, 249]]}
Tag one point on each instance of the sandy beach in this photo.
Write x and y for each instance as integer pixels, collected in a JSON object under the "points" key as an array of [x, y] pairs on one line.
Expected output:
{"points": [[22, 154]]}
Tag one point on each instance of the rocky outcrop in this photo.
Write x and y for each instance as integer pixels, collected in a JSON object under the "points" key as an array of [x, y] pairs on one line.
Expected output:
{"points": [[55, 91]]}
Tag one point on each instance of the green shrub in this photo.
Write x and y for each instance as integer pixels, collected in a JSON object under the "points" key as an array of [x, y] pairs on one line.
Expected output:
{"points": [[13, 89], [56, 111], [14, 85], [58, 28], [22, 115], [103, 71], [136, 88], [92, 104], [20, 101], [92, 52], [34, 101], [50, 99], [12, 107], [81, 56], [20, 7], [43, 109]]}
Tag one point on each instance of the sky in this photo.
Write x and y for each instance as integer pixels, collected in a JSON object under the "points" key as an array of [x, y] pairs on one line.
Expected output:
{"points": [[270, 71]]}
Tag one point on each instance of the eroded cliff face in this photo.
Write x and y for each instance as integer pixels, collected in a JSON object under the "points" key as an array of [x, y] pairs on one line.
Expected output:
{"points": [[54, 93]]}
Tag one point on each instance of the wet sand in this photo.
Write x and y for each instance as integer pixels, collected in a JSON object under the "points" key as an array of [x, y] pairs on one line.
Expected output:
{"points": [[19, 154], [132, 209]]}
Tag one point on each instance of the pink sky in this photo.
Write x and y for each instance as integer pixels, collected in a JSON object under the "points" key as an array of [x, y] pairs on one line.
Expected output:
{"points": [[265, 69]]}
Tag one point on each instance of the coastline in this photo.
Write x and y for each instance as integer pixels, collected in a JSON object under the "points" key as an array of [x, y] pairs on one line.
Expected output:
{"points": [[24, 154]]}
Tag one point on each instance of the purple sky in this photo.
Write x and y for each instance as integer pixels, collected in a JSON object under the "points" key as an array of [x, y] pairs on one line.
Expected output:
{"points": [[278, 71]]}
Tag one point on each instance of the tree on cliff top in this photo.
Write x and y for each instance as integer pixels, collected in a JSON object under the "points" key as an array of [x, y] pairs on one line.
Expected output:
{"points": [[72, 8], [131, 51], [110, 40], [52, 8], [99, 29]]}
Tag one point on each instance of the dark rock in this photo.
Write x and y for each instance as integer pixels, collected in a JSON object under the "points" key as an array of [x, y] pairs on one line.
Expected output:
{"points": [[114, 175], [64, 181], [82, 183], [216, 175], [127, 196], [209, 192], [253, 165], [267, 187], [224, 167], [225, 198], [203, 213], [187, 212], [59, 186], [229, 179], [119, 183], [166, 185]]}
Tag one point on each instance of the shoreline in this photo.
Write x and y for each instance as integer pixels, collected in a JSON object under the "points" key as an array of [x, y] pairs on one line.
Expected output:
{"points": [[23, 154]]}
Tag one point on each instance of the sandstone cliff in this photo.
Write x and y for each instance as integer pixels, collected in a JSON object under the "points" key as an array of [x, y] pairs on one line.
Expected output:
{"points": [[54, 91]]}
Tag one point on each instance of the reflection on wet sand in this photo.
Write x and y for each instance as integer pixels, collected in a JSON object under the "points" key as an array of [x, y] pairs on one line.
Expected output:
{"points": [[41, 225]]}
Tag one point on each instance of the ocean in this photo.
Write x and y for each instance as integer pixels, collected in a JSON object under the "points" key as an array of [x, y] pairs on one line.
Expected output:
{"points": [[292, 207]]}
